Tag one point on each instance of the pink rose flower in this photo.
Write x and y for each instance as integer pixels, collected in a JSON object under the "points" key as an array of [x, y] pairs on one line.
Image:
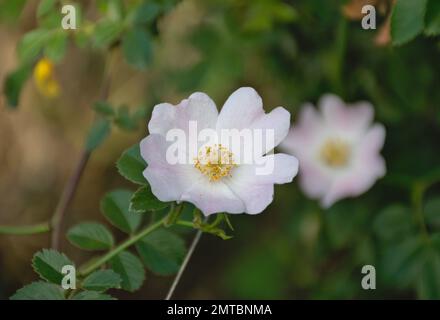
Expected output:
{"points": [[216, 181], [338, 149]]}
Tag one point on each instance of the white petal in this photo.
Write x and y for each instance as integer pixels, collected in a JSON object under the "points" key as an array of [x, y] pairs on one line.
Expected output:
{"points": [[198, 107], [277, 120], [168, 182], [213, 197], [373, 141], [255, 190], [314, 181], [307, 133], [202, 109], [368, 167], [164, 117], [240, 110], [355, 183], [346, 119]]}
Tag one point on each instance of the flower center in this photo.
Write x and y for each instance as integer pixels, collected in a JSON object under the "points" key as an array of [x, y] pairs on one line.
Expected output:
{"points": [[215, 162], [335, 153]]}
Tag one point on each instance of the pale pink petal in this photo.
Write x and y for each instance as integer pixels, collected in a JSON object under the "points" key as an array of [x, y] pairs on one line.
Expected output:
{"points": [[277, 120], [213, 197], [356, 182], [240, 110], [346, 119], [305, 134], [202, 109], [168, 182], [164, 117], [373, 141], [368, 166], [198, 107], [256, 190], [314, 181]]}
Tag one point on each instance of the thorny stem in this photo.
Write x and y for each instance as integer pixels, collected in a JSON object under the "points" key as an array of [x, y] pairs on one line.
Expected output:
{"points": [[26, 230], [66, 199], [72, 184]]}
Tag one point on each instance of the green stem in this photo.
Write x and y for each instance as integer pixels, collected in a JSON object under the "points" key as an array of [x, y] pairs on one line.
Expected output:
{"points": [[417, 203], [69, 191], [185, 223], [174, 214], [124, 245], [26, 230], [66, 198], [186, 260]]}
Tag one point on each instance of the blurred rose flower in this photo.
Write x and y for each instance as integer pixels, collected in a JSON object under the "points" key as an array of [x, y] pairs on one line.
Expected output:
{"points": [[44, 77], [338, 149], [216, 186]]}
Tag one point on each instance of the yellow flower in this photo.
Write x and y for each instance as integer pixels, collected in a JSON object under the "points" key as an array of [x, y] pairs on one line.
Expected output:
{"points": [[44, 78]]}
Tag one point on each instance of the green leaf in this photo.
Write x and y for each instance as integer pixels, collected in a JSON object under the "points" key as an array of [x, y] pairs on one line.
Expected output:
{"points": [[401, 262], [11, 10], [407, 20], [428, 286], [140, 113], [124, 120], [114, 9], [39, 291], [146, 13], [102, 280], [97, 134], [432, 212], [32, 44], [52, 21], [137, 48], [14, 83], [432, 18], [49, 263], [107, 32], [144, 200], [56, 46], [115, 207], [92, 295], [393, 223], [45, 7], [90, 236], [162, 252], [131, 165], [130, 268], [103, 108]]}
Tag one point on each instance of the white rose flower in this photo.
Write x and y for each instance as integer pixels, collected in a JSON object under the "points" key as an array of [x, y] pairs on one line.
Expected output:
{"points": [[338, 149], [216, 181]]}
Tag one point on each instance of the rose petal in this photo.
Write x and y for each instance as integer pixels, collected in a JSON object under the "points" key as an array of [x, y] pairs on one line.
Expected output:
{"points": [[168, 182], [306, 134], [213, 197], [240, 110], [368, 166], [198, 107], [256, 190], [345, 120], [277, 120]]}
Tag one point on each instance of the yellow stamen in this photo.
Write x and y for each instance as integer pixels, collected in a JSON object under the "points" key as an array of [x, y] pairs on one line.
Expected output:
{"points": [[335, 153], [215, 162]]}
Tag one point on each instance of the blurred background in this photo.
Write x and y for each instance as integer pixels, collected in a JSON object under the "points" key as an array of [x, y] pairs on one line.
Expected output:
{"points": [[291, 52]]}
